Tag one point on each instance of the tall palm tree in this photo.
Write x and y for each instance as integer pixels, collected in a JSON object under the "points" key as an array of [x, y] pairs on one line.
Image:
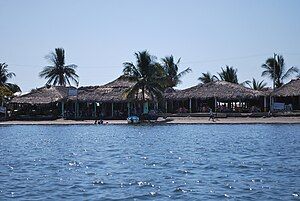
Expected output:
{"points": [[229, 74], [171, 71], [59, 73], [146, 74], [207, 77], [275, 69], [256, 84], [5, 76]]}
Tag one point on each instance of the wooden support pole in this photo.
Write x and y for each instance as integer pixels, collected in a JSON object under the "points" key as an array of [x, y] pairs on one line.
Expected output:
{"points": [[265, 103], [166, 106], [62, 109], [95, 109], [190, 106], [215, 104], [128, 109]]}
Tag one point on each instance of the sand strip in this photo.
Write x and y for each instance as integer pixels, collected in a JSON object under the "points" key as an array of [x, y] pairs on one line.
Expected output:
{"points": [[171, 120]]}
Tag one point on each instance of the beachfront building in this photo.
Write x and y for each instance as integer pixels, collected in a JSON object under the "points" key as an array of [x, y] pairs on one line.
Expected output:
{"points": [[89, 102], [41, 103], [287, 97], [108, 101], [221, 96]]}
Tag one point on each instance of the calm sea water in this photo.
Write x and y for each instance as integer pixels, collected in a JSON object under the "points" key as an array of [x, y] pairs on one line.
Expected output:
{"points": [[177, 162]]}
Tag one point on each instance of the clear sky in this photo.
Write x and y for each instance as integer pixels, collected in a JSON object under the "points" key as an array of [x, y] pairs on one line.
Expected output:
{"points": [[99, 36]]}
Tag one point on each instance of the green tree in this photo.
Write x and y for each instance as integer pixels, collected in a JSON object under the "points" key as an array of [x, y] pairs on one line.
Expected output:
{"points": [[275, 69], [147, 76], [59, 73], [173, 78], [256, 84], [207, 78], [229, 74], [5, 76]]}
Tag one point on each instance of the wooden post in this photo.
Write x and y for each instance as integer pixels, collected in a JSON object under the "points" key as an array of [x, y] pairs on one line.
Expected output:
{"points": [[77, 109], [128, 109], [215, 104], [265, 103], [271, 104], [62, 109], [95, 109], [112, 109], [166, 106], [190, 106]]}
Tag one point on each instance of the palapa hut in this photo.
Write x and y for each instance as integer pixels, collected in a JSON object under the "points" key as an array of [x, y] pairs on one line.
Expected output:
{"points": [[107, 100], [220, 95], [288, 94], [89, 102], [45, 102]]}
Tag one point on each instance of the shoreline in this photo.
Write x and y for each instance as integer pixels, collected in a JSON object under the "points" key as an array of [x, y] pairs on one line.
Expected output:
{"points": [[169, 121]]}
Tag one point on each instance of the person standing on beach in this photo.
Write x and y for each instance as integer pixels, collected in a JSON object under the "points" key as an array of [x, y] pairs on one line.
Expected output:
{"points": [[211, 115]]}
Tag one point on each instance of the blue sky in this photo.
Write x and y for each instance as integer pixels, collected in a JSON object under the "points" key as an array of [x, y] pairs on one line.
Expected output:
{"points": [[99, 36]]}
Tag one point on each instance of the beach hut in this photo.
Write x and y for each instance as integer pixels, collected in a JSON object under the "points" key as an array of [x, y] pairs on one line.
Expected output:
{"points": [[107, 100], [287, 97], [45, 102], [222, 96]]}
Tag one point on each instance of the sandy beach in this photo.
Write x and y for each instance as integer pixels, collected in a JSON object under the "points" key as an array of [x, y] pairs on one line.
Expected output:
{"points": [[170, 120]]}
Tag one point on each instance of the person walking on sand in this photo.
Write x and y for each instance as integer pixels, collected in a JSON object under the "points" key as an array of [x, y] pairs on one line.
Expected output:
{"points": [[211, 115]]}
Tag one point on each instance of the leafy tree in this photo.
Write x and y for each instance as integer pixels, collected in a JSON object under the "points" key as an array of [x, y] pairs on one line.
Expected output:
{"points": [[5, 76], [229, 74], [207, 77], [59, 73], [275, 69], [171, 71], [147, 75], [256, 84]]}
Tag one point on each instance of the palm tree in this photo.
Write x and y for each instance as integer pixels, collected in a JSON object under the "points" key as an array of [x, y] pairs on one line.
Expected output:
{"points": [[171, 71], [146, 74], [4, 76], [229, 74], [59, 73], [256, 84], [275, 69], [207, 78]]}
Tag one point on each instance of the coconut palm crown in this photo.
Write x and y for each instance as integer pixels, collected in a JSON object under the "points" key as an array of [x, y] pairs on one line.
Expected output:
{"points": [[5, 75], [275, 69], [170, 67], [229, 74], [59, 73], [147, 76], [256, 84], [207, 78]]}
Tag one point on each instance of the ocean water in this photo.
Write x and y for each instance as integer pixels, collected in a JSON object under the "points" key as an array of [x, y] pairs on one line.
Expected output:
{"points": [[161, 162]]}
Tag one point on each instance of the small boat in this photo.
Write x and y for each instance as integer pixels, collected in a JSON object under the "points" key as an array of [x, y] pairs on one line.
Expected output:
{"points": [[133, 120]]}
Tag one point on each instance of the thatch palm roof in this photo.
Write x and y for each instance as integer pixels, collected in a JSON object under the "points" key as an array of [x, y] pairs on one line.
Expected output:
{"points": [[110, 92], [221, 90], [43, 95], [290, 89]]}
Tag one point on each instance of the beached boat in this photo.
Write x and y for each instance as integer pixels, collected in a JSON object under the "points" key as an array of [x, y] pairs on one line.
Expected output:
{"points": [[133, 120]]}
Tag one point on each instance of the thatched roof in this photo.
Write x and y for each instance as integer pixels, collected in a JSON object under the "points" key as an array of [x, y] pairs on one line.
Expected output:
{"points": [[120, 82], [219, 89], [110, 92], [290, 89], [43, 95]]}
